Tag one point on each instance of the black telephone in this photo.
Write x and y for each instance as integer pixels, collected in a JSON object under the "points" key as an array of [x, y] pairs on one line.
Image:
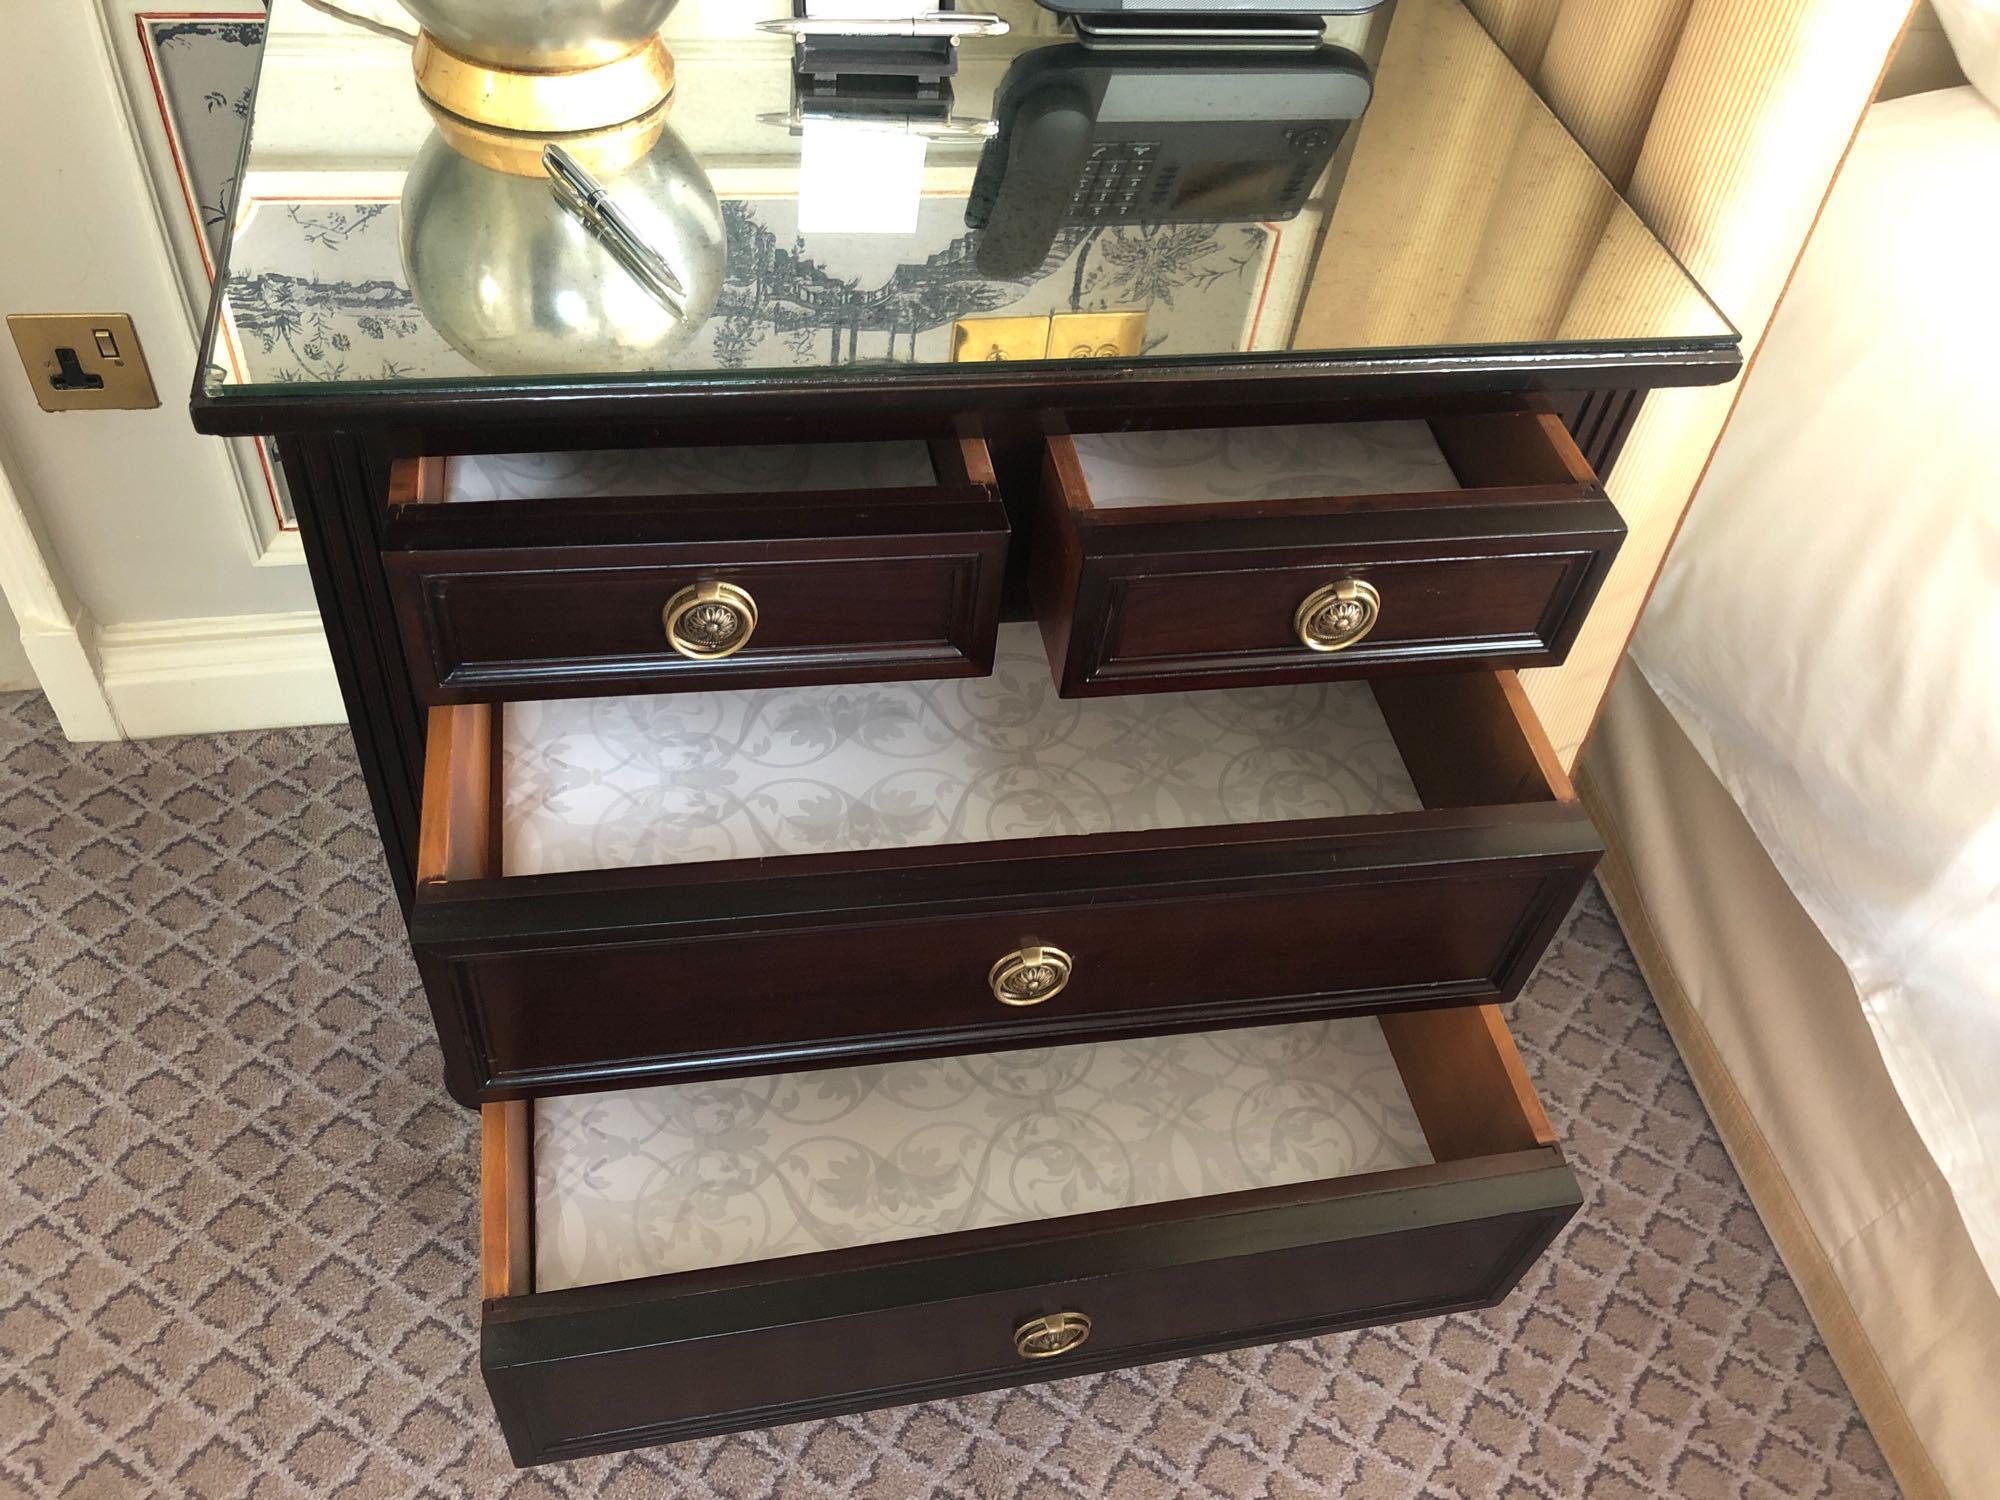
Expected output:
{"points": [[1172, 138]]}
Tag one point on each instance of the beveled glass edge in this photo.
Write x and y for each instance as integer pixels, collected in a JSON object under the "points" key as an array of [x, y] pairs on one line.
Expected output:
{"points": [[1593, 364]]}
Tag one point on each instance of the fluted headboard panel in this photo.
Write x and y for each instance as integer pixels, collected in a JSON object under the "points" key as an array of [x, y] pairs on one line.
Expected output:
{"points": [[1601, 67], [1724, 121]]}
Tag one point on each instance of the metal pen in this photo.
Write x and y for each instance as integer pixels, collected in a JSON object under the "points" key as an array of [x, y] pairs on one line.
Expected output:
{"points": [[953, 128], [945, 23], [585, 197]]}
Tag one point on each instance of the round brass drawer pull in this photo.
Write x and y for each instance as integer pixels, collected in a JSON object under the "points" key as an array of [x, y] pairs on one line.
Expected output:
{"points": [[1050, 1336], [1028, 976], [708, 621], [1335, 617]]}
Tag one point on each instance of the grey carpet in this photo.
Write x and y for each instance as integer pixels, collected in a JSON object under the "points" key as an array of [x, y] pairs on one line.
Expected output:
{"points": [[237, 1217]]}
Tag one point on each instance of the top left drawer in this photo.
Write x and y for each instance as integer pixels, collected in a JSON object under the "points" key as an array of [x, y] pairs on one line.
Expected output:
{"points": [[554, 575]]}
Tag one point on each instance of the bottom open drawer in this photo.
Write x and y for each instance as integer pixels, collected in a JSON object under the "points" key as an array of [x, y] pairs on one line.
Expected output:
{"points": [[677, 1261]]}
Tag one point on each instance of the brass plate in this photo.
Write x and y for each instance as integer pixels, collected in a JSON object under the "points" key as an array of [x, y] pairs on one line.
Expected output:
{"points": [[1102, 335], [996, 340], [1098, 335], [107, 349]]}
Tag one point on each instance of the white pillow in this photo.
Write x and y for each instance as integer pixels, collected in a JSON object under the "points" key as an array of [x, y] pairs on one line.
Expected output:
{"points": [[1974, 29]]}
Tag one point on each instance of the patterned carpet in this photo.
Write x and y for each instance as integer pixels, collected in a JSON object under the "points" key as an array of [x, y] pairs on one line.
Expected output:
{"points": [[237, 1223]]}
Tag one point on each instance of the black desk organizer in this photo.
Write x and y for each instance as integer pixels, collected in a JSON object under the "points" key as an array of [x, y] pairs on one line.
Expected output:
{"points": [[927, 61]]}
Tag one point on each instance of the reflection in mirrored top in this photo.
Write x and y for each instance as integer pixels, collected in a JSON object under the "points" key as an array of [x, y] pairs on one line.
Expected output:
{"points": [[1398, 187]]}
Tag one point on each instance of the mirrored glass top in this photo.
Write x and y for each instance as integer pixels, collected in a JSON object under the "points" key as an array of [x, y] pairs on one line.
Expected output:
{"points": [[1398, 188]]}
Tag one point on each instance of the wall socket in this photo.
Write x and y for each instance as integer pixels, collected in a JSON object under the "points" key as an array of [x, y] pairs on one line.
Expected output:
{"points": [[84, 361]]}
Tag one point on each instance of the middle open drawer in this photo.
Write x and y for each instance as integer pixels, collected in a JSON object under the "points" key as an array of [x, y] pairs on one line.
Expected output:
{"points": [[698, 884]]}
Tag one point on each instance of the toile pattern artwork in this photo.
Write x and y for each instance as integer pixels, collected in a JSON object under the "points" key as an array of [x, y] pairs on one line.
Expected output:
{"points": [[317, 291], [287, 327], [349, 316], [790, 299], [207, 71]]}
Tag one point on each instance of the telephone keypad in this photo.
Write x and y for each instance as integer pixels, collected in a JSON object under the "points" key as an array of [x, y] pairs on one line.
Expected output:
{"points": [[1115, 177]]}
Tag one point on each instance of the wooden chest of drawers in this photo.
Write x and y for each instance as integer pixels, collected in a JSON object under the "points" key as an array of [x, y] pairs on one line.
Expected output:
{"points": [[763, 773], [880, 681], [1028, 755], [1260, 762]]}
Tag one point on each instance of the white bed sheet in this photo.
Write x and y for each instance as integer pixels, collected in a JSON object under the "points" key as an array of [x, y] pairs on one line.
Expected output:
{"points": [[1827, 629]]}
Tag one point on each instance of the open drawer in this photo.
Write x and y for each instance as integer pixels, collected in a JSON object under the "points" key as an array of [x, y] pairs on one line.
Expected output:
{"points": [[613, 890], [1232, 556], [657, 570], [672, 1262]]}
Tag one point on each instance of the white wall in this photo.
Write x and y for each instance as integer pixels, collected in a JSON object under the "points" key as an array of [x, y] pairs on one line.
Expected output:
{"points": [[188, 621], [15, 671]]}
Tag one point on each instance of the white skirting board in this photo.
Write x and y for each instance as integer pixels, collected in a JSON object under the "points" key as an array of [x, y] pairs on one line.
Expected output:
{"points": [[158, 677], [203, 675], [208, 676]]}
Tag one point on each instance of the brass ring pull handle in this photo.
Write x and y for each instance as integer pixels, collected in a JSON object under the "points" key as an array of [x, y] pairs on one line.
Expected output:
{"points": [[1028, 976], [1336, 616], [708, 621], [1051, 1336]]}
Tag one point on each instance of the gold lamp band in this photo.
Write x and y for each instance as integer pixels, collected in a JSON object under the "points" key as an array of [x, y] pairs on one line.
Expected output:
{"points": [[602, 153], [545, 103], [708, 621], [1336, 616], [1028, 976], [1052, 1335]]}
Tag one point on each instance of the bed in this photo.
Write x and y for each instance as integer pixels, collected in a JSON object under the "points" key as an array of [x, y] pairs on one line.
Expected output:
{"points": [[1798, 776]]}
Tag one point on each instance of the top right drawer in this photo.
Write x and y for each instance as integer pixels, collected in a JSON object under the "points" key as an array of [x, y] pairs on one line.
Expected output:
{"points": [[1232, 556]]}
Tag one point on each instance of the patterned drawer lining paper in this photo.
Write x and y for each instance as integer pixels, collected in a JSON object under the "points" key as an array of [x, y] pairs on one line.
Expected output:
{"points": [[602, 783], [689, 471], [1262, 463], [651, 1181]]}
